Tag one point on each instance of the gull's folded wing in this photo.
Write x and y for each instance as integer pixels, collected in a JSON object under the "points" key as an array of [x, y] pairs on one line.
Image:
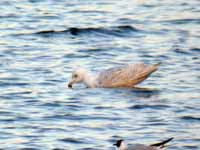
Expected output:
{"points": [[126, 76]]}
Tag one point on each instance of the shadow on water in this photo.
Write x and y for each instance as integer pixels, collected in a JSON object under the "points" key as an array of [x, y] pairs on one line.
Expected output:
{"points": [[140, 92]]}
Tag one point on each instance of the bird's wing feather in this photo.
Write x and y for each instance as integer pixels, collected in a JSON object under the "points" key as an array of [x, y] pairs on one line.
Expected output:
{"points": [[126, 76], [163, 143]]}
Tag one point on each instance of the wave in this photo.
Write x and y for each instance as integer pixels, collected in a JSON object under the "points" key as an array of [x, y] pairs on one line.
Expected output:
{"points": [[76, 31], [190, 118], [184, 21], [72, 140], [191, 51], [195, 50], [149, 106]]}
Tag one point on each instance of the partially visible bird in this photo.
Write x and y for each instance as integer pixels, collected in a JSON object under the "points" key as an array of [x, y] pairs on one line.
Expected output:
{"points": [[157, 146], [125, 76]]}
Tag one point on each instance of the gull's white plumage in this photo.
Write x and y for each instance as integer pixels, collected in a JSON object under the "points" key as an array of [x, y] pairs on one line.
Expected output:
{"points": [[157, 146], [125, 76], [139, 147]]}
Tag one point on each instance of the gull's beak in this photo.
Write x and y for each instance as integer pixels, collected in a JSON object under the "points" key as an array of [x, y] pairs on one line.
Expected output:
{"points": [[71, 83], [115, 144]]}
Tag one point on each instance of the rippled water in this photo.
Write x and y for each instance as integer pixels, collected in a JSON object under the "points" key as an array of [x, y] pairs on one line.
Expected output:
{"points": [[40, 43]]}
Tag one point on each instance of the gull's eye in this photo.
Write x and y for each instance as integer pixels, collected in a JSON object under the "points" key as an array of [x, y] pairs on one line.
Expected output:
{"points": [[75, 75]]}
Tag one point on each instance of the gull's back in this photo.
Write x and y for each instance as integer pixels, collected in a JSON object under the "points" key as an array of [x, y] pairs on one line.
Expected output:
{"points": [[125, 76]]}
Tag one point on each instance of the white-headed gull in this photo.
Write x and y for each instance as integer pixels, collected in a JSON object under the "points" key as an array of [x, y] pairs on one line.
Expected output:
{"points": [[157, 146]]}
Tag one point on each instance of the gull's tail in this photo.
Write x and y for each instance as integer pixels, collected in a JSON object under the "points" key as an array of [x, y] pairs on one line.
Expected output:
{"points": [[158, 64], [162, 144], [154, 67]]}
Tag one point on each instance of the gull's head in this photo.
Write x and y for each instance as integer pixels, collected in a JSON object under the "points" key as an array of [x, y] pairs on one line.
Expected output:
{"points": [[121, 144], [78, 76]]}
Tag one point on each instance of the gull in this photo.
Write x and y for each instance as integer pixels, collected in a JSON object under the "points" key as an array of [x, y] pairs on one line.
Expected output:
{"points": [[157, 146], [124, 76]]}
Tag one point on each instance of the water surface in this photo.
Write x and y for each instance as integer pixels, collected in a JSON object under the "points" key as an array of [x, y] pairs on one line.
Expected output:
{"points": [[41, 42]]}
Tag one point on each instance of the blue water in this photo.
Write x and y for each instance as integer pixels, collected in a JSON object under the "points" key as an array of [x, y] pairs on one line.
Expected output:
{"points": [[41, 42]]}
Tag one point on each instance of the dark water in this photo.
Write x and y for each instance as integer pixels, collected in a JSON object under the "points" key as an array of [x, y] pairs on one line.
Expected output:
{"points": [[40, 43]]}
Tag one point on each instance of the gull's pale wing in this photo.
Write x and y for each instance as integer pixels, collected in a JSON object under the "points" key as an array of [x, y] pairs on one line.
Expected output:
{"points": [[141, 147], [126, 76]]}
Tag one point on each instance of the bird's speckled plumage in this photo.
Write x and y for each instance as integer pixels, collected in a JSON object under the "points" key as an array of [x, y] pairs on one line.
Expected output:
{"points": [[126, 76]]}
